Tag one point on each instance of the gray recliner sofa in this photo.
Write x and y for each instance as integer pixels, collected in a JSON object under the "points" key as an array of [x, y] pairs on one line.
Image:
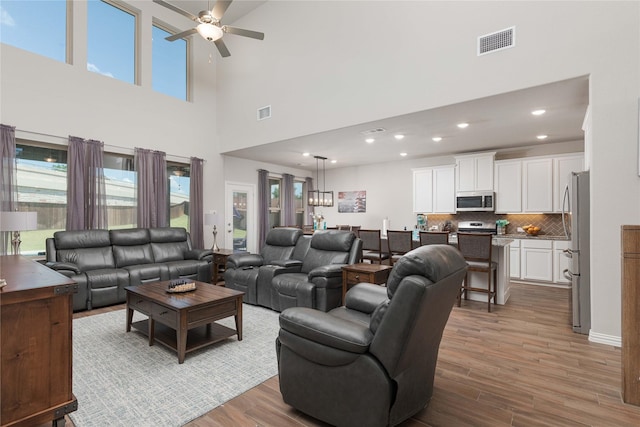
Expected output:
{"points": [[294, 269], [104, 262], [242, 269], [372, 361]]}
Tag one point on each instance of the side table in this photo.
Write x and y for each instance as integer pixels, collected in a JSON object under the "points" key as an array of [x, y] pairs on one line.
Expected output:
{"points": [[363, 273], [219, 261]]}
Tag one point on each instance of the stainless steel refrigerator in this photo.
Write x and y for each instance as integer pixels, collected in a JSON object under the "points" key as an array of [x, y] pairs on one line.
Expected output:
{"points": [[575, 219]]}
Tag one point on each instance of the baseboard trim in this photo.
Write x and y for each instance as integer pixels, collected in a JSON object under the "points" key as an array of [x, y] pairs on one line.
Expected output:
{"points": [[531, 282], [605, 339]]}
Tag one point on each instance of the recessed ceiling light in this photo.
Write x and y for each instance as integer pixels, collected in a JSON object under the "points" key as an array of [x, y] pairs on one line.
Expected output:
{"points": [[541, 136], [403, 154], [334, 161], [462, 125], [398, 136], [437, 138], [306, 154], [538, 112], [369, 140]]}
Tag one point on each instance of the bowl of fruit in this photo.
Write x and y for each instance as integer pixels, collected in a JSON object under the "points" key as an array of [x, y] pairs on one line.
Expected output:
{"points": [[531, 229]]}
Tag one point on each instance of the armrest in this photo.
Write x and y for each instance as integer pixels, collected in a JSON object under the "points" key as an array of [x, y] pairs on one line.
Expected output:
{"points": [[365, 297], [323, 328], [286, 263], [331, 270], [244, 260], [198, 254], [63, 266]]}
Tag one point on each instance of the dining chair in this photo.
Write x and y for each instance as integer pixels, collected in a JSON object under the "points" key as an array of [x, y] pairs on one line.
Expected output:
{"points": [[434, 238], [400, 242], [372, 246], [476, 250]]}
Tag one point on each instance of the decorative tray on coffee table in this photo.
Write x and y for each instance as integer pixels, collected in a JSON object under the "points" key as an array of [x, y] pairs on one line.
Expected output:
{"points": [[181, 285]]}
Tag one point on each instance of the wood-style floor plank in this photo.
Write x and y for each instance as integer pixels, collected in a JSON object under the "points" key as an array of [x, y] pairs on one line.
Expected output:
{"points": [[520, 365]]}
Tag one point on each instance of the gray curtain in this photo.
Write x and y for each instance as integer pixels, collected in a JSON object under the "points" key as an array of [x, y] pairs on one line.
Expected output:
{"points": [[8, 198], [86, 195], [263, 206], [151, 191], [308, 209], [196, 207], [288, 200]]}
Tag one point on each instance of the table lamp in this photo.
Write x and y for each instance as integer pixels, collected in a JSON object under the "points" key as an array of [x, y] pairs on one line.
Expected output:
{"points": [[210, 219], [17, 222]]}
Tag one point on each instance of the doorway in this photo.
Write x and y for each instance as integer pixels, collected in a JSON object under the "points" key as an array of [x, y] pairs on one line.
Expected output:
{"points": [[240, 214]]}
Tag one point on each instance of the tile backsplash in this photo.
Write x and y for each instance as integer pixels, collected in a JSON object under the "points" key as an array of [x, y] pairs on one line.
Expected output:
{"points": [[550, 224]]}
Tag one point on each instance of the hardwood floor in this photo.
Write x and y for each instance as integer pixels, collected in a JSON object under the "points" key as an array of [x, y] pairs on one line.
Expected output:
{"points": [[520, 365]]}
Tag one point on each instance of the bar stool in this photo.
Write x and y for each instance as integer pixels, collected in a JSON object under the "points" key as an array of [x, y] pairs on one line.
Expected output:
{"points": [[476, 250], [434, 238], [400, 242], [372, 246]]}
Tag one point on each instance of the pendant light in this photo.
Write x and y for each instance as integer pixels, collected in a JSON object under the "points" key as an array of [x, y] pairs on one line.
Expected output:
{"points": [[317, 197]]}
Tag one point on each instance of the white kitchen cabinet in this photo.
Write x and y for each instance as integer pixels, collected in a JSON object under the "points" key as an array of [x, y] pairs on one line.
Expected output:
{"points": [[508, 186], [434, 190], [560, 261], [474, 172], [536, 260], [514, 259], [562, 168], [537, 185]]}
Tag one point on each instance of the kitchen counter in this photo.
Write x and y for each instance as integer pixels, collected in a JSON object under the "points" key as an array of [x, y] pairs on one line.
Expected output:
{"points": [[528, 236]]}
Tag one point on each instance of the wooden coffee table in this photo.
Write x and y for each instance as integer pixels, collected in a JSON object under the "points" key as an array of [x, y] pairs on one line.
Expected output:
{"points": [[184, 322]]}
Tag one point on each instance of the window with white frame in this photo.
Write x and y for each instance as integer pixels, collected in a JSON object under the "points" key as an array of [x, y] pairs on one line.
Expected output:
{"points": [[22, 26], [111, 41]]}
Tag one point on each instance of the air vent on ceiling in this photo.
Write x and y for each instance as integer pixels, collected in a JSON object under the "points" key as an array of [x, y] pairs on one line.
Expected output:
{"points": [[373, 131], [264, 112], [499, 40]]}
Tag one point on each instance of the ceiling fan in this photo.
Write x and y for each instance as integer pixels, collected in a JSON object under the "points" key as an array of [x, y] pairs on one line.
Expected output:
{"points": [[209, 25]]}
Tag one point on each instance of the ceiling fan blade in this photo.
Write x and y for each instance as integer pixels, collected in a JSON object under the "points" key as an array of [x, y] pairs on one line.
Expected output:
{"points": [[220, 8], [181, 35], [176, 9], [222, 48], [242, 32]]}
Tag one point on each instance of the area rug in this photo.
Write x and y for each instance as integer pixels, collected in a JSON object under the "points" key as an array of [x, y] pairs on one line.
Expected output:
{"points": [[119, 380]]}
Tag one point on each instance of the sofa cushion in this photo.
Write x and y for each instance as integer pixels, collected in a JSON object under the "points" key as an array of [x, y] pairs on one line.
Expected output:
{"points": [[87, 249], [81, 239], [169, 244]]}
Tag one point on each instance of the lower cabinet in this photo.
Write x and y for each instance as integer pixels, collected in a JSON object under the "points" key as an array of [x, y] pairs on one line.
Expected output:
{"points": [[539, 260], [536, 260]]}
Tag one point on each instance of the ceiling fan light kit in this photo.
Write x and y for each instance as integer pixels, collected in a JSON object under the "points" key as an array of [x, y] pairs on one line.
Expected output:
{"points": [[209, 31], [209, 25]]}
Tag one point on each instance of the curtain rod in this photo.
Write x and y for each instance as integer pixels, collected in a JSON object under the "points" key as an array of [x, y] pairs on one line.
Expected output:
{"points": [[65, 139], [279, 175]]}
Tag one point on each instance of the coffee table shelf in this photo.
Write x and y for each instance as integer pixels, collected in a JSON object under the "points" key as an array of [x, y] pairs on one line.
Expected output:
{"points": [[197, 338]]}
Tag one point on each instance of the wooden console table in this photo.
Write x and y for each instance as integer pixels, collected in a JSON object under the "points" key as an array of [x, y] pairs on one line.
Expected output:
{"points": [[631, 314], [35, 344]]}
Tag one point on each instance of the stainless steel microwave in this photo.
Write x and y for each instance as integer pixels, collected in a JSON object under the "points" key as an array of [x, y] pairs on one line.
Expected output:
{"points": [[474, 201]]}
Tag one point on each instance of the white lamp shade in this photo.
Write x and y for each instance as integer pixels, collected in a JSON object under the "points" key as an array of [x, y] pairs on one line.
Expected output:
{"points": [[18, 221], [210, 219], [209, 31]]}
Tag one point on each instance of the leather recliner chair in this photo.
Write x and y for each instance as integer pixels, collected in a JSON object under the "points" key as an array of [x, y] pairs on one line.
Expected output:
{"points": [[372, 362], [318, 282], [241, 271]]}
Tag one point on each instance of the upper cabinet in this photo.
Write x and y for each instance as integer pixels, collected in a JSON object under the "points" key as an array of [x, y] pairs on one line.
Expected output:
{"points": [[534, 184], [562, 168], [474, 172], [537, 185], [508, 186], [434, 190]]}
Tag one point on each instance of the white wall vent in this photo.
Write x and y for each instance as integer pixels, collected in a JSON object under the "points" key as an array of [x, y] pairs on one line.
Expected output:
{"points": [[373, 131], [264, 113], [499, 40]]}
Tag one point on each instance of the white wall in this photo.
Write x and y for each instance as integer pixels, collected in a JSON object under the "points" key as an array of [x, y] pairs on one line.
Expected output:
{"points": [[325, 65]]}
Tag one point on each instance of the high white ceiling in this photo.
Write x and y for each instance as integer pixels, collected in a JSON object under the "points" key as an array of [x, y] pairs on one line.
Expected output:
{"points": [[496, 123]]}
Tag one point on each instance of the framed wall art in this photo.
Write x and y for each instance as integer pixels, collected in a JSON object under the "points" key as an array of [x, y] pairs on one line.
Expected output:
{"points": [[352, 201]]}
